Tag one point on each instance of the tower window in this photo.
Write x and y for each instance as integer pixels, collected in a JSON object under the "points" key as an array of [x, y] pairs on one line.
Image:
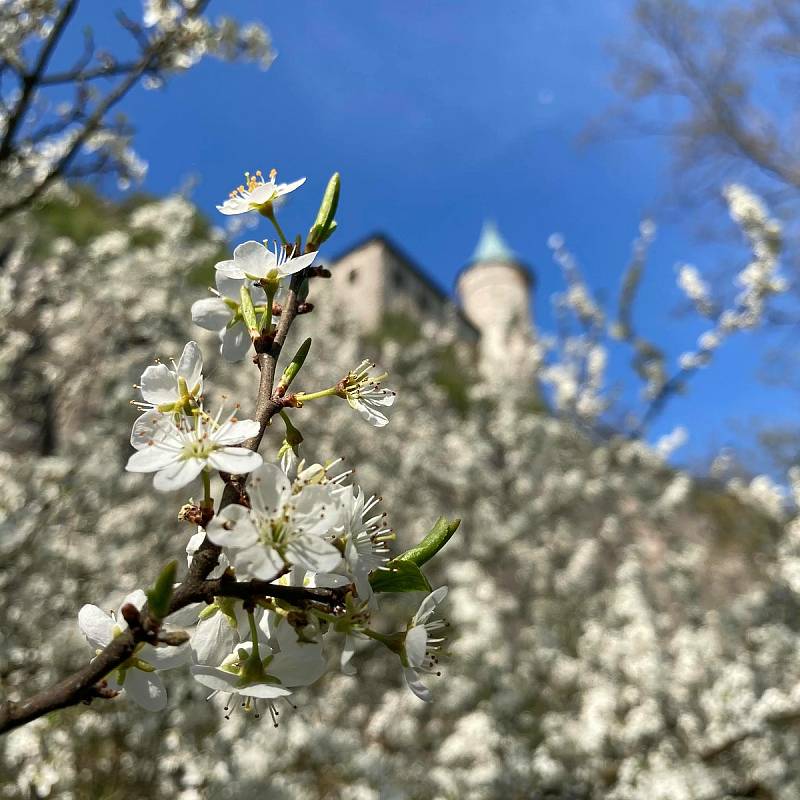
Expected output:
{"points": [[352, 276], [397, 278]]}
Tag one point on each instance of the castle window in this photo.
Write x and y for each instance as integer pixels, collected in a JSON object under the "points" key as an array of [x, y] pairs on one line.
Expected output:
{"points": [[352, 277], [423, 302], [397, 278]]}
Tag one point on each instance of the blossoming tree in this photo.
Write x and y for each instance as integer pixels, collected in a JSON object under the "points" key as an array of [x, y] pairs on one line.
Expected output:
{"points": [[283, 565], [56, 123]]}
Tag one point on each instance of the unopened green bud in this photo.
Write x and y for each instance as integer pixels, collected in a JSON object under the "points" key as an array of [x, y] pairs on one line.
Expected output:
{"points": [[248, 311], [325, 223], [159, 597], [293, 436], [290, 373]]}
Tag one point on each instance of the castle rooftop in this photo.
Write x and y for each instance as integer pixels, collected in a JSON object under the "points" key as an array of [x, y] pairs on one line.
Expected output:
{"points": [[492, 248]]}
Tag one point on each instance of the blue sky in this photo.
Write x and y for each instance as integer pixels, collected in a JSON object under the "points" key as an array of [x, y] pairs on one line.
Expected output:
{"points": [[438, 115]]}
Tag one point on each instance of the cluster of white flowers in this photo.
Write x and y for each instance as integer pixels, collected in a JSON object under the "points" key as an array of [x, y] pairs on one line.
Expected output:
{"points": [[695, 288], [578, 379], [302, 527], [578, 297], [758, 281], [620, 629]]}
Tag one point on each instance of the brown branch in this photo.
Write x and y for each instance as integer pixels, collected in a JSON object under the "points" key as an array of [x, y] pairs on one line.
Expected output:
{"points": [[86, 683], [83, 75], [83, 685]]}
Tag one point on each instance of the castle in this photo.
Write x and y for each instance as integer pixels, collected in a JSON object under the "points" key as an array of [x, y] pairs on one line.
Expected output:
{"points": [[494, 291]]}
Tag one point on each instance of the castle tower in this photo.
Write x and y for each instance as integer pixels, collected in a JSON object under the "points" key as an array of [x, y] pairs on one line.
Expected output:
{"points": [[495, 291], [375, 279]]}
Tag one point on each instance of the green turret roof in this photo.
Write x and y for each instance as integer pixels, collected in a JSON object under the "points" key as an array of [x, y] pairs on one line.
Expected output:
{"points": [[492, 246]]}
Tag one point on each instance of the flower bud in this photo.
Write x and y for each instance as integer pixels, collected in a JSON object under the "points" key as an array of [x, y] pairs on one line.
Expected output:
{"points": [[325, 223], [159, 597], [293, 367]]}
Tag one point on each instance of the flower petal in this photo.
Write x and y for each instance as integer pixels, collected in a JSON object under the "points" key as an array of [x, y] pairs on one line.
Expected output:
{"points": [[234, 205], [190, 365], [148, 427], [230, 269], [299, 666], [415, 645], [213, 639], [146, 689], [228, 287], [296, 264], [236, 432], [186, 616], [262, 193], [211, 313], [177, 475], [214, 678], [269, 489], [348, 651], [428, 605], [316, 511], [370, 414], [159, 385], [416, 685], [265, 690], [95, 625], [232, 528], [258, 561], [252, 258], [285, 188], [236, 460], [313, 553], [166, 657], [151, 458], [235, 343]]}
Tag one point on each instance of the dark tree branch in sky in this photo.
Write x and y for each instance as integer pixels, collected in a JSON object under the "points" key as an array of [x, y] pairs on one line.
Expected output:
{"points": [[43, 142]]}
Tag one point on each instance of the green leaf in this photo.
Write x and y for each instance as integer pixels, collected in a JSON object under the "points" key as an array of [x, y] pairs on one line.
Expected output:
{"points": [[158, 598], [403, 576], [438, 536]]}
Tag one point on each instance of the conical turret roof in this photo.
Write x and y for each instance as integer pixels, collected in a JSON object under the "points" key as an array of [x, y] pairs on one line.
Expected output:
{"points": [[492, 246]]}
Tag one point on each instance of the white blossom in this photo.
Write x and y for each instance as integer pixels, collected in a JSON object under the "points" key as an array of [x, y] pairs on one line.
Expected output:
{"points": [[256, 194], [281, 528], [222, 315], [365, 394], [422, 643], [255, 261], [138, 676], [166, 389], [179, 454]]}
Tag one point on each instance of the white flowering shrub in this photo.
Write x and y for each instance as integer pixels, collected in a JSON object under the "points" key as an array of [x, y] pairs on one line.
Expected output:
{"points": [[619, 628]]}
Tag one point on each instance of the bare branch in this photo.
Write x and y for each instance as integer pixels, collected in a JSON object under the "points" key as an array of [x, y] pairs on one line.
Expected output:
{"points": [[31, 81]]}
